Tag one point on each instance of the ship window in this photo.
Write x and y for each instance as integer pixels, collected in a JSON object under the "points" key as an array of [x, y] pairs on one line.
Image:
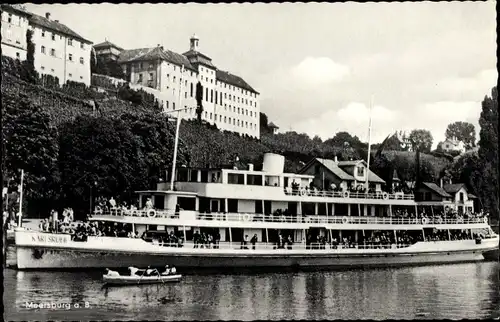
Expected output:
{"points": [[194, 176], [159, 202], [235, 178], [255, 180], [186, 203], [232, 205], [204, 176], [182, 175]]}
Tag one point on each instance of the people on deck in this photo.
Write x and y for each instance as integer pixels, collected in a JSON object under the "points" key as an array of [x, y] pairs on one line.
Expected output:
{"points": [[253, 241]]}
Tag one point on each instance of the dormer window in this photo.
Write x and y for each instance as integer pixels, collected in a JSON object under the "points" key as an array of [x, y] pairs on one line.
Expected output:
{"points": [[361, 171]]}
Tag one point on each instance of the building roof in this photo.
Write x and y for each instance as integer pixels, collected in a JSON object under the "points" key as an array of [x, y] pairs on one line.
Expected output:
{"points": [[231, 79], [272, 126], [155, 53], [453, 188], [334, 168], [16, 8], [56, 26], [437, 189], [105, 44], [196, 58]]}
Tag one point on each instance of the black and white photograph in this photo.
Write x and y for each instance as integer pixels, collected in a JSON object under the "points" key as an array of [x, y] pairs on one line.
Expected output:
{"points": [[250, 161]]}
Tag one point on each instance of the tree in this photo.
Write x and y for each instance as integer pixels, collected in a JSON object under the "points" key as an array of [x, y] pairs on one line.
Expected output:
{"points": [[341, 138], [488, 153], [264, 123], [30, 143], [199, 101], [462, 131], [30, 73], [421, 140]]}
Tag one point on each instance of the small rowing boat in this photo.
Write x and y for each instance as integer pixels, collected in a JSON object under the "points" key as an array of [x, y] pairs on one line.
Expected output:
{"points": [[136, 279]]}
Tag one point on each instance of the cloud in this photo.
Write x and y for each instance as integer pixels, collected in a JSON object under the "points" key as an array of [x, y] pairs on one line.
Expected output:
{"points": [[460, 88], [353, 118], [319, 70]]}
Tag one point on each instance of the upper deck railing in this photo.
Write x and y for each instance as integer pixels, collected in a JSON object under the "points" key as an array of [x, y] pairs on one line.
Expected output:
{"points": [[349, 194], [315, 219]]}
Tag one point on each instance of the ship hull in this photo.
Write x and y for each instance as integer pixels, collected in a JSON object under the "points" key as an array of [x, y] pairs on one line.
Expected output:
{"points": [[46, 251], [43, 258]]}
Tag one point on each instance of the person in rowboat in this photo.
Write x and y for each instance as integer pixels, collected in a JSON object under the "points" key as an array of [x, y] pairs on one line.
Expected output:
{"points": [[111, 273], [150, 271], [133, 270], [167, 271]]}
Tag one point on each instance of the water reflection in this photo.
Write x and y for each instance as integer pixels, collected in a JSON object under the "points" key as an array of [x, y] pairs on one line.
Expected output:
{"points": [[431, 292]]}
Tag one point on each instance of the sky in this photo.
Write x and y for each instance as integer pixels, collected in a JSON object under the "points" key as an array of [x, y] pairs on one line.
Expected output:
{"points": [[318, 66]]}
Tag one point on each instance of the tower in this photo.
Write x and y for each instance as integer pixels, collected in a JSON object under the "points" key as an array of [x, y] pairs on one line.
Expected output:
{"points": [[194, 43]]}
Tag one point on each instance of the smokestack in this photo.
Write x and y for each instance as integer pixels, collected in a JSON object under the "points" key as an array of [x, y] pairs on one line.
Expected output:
{"points": [[47, 15]]}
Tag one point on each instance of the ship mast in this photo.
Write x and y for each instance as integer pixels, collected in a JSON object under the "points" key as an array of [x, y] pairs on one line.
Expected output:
{"points": [[178, 125], [369, 145]]}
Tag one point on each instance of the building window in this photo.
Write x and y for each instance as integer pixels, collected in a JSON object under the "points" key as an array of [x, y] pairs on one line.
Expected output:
{"points": [[234, 121], [9, 19], [150, 76], [52, 70], [220, 118], [42, 49], [225, 119], [173, 105], [70, 75], [18, 56], [206, 94], [53, 36], [216, 98], [81, 60], [174, 79], [361, 171], [140, 78], [70, 42], [81, 77], [82, 45], [70, 56], [185, 94], [52, 52], [140, 65], [210, 115], [211, 96], [191, 89], [43, 67], [43, 33], [167, 104], [220, 99]]}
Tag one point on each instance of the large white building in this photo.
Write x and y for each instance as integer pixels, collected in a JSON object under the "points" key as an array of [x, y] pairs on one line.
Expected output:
{"points": [[228, 101], [15, 24], [59, 51]]}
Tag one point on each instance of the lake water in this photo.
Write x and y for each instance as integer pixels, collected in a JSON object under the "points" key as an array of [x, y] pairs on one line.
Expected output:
{"points": [[430, 292]]}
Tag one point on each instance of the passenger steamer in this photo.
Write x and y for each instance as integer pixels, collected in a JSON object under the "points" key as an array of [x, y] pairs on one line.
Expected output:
{"points": [[232, 204]]}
